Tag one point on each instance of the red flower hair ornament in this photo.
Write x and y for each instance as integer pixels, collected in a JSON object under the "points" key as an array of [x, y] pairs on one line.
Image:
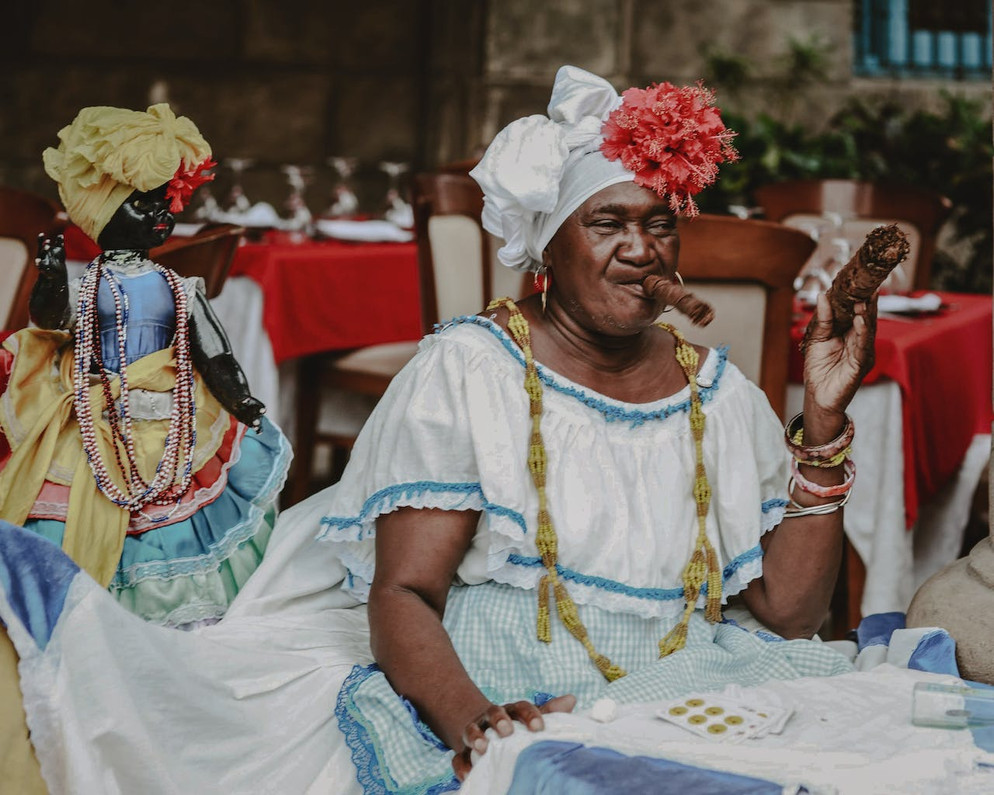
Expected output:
{"points": [[185, 181], [671, 138]]}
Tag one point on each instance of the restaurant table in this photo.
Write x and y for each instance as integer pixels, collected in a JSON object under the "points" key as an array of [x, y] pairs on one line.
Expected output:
{"points": [[923, 424], [332, 295], [286, 299]]}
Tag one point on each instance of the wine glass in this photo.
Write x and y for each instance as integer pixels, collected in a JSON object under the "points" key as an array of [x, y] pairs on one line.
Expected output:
{"points": [[237, 201], [343, 199], [396, 209], [300, 221]]}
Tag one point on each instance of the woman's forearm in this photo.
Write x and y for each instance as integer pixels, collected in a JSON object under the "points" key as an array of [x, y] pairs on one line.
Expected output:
{"points": [[415, 653], [802, 556], [800, 566]]}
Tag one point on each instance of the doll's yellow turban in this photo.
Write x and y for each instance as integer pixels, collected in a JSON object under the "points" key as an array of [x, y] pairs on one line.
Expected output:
{"points": [[106, 153]]}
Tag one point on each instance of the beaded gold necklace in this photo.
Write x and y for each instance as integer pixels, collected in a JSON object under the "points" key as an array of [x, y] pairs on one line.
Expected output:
{"points": [[703, 564]]}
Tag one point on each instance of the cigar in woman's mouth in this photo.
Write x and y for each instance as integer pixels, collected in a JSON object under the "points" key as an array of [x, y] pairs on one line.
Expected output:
{"points": [[674, 294]]}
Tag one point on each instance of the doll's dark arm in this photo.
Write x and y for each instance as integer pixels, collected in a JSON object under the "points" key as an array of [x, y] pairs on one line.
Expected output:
{"points": [[217, 365], [48, 305]]}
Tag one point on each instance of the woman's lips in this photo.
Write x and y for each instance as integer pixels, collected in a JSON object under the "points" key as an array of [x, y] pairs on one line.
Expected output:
{"points": [[635, 288]]}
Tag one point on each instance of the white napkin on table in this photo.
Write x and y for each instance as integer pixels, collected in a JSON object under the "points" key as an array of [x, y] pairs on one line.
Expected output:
{"points": [[929, 302], [365, 231]]}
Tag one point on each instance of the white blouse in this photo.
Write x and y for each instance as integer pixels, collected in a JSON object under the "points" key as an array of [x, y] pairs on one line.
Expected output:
{"points": [[452, 432]]}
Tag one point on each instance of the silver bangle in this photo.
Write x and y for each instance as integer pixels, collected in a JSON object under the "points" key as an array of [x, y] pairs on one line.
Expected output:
{"points": [[812, 510]]}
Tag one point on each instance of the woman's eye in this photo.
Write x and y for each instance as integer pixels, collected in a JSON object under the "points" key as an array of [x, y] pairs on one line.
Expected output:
{"points": [[661, 228]]}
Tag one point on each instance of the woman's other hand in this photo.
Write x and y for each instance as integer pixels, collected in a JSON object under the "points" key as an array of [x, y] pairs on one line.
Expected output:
{"points": [[834, 366], [501, 720]]}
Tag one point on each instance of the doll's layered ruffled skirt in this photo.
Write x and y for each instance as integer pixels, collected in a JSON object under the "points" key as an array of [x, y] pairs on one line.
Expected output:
{"points": [[179, 565]]}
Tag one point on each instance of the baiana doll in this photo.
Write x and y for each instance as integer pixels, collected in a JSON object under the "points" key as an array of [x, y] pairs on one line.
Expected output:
{"points": [[128, 434]]}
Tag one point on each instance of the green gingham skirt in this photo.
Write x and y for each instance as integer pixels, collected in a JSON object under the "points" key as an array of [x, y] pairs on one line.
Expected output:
{"points": [[492, 627]]}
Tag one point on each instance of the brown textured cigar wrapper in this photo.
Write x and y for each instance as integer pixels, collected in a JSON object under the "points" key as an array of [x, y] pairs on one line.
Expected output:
{"points": [[884, 249], [674, 294]]}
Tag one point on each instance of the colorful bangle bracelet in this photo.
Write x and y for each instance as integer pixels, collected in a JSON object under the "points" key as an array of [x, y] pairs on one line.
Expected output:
{"points": [[836, 460], [824, 491], [797, 510], [822, 455]]}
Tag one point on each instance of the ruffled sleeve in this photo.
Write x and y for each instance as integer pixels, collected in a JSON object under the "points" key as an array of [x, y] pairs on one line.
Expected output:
{"points": [[751, 467], [443, 414]]}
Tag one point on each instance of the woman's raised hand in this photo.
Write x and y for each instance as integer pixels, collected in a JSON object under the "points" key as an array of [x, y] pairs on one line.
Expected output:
{"points": [[834, 366], [501, 720]]}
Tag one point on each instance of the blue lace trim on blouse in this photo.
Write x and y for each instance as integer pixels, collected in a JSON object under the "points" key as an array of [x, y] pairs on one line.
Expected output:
{"points": [[387, 498], [364, 756], [613, 586], [610, 411]]}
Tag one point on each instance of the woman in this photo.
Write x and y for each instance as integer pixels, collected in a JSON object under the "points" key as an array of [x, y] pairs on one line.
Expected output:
{"points": [[551, 503], [615, 465]]}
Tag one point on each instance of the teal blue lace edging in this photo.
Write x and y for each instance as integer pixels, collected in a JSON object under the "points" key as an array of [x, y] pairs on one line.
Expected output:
{"points": [[773, 511], [446, 496], [649, 594], [774, 504], [223, 548], [610, 411], [354, 727]]}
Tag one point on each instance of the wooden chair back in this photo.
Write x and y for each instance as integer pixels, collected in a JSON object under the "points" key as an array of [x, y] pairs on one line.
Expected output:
{"points": [[745, 269], [454, 260], [861, 207], [23, 216], [457, 258], [207, 254]]}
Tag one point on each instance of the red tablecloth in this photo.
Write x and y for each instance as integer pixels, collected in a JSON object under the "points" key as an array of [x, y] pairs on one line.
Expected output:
{"points": [[942, 363], [321, 295], [331, 295]]}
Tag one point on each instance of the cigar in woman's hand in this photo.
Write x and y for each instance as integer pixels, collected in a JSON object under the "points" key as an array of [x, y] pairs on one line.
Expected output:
{"points": [[674, 294], [884, 249]]}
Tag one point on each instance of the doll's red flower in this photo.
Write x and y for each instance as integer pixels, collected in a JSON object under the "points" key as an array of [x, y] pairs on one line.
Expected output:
{"points": [[672, 138], [185, 182]]}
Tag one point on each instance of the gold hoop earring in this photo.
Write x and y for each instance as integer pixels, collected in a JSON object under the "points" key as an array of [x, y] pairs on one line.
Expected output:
{"points": [[679, 278]]}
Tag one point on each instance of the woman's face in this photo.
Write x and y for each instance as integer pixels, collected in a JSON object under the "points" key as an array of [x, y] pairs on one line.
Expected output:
{"points": [[141, 223], [601, 253]]}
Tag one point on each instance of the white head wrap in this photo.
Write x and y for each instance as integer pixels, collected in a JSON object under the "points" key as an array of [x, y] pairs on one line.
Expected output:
{"points": [[538, 170]]}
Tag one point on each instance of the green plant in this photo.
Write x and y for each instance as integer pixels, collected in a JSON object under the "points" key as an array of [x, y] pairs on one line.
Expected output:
{"points": [[949, 151]]}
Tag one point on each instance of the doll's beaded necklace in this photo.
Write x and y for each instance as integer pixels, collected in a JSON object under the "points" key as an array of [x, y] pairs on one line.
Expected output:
{"points": [[703, 564], [181, 439]]}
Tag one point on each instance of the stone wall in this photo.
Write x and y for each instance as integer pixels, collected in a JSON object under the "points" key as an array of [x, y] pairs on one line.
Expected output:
{"points": [[635, 42], [420, 81], [289, 82]]}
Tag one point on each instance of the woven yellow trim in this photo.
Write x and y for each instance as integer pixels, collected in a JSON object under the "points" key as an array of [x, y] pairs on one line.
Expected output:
{"points": [[703, 564]]}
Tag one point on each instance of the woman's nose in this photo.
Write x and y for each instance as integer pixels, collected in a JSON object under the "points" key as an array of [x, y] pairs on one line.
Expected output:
{"points": [[636, 248]]}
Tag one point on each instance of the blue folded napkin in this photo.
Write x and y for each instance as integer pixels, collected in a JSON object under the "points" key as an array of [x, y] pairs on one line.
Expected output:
{"points": [[553, 767]]}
